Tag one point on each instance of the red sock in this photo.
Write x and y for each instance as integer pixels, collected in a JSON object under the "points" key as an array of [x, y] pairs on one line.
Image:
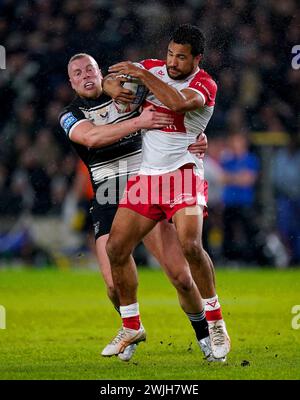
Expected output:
{"points": [[214, 315], [132, 322]]}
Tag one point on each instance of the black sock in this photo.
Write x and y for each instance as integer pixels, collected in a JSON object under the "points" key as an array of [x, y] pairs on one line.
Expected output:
{"points": [[199, 324]]}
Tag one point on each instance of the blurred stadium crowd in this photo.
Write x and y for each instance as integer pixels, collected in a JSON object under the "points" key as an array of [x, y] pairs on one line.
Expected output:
{"points": [[248, 53]]}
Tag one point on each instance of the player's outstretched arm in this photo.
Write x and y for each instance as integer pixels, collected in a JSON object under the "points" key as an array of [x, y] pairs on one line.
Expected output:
{"points": [[178, 101], [90, 135]]}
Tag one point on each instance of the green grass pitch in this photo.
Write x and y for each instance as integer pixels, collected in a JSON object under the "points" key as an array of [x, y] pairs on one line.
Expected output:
{"points": [[58, 322]]}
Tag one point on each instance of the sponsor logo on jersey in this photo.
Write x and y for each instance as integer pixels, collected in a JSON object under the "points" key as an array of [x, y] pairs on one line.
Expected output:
{"points": [[201, 86], [67, 121]]}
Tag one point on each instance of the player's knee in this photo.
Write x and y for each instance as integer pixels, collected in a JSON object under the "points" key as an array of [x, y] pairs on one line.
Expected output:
{"points": [[113, 250], [192, 249], [117, 253], [183, 281]]}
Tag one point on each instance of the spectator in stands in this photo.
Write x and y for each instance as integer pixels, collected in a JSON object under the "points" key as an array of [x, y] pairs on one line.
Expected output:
{"points": [[240, 173], [286, 181]]}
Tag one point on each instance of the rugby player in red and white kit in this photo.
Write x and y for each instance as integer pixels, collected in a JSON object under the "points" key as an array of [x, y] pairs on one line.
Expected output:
{"points": [[96, 131], [182, 90]]}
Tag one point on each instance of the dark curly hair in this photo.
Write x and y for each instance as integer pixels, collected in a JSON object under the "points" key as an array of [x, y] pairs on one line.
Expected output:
{"points": [[189, 34]]}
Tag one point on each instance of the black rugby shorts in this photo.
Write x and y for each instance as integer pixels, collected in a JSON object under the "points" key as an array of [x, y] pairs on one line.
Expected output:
{"points": [[102, 217]]}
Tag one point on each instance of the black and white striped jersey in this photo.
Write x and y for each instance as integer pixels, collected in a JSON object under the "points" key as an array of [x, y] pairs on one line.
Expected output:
{"points": [[109, 162]]}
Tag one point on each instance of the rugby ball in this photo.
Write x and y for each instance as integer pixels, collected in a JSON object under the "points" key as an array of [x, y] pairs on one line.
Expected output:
{"points": [[138, 89]]}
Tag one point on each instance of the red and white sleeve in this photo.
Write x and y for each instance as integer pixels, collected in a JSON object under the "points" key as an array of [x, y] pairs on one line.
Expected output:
{"points": [[151, 63], [206, 87]]}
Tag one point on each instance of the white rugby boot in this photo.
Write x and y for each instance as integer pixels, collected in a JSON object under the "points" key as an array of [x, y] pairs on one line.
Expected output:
{"points": [[205, 347], [128, 352], [219, 339], [124, 338]]}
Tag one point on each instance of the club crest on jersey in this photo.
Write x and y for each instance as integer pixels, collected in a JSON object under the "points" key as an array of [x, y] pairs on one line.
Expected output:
{"points": [[160, 73], [96, 115], [67, 121], [102, 112]]}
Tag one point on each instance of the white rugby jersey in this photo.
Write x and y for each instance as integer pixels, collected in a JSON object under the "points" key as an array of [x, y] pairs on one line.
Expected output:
{"points": [[166, 150]]}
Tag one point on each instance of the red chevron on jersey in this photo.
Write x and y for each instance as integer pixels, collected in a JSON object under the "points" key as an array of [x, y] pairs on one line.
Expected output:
{"points": [[178, 124]]}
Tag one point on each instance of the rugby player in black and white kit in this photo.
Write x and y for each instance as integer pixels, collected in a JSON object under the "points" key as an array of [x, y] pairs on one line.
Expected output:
{"points": [[109, 144]]}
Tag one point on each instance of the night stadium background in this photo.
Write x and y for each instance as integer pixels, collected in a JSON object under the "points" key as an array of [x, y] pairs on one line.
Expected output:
{"points": [[49, 285]]}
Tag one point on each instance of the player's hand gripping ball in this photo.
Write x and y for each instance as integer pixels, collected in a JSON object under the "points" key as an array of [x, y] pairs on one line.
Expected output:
{"points": [[137, 88]]}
